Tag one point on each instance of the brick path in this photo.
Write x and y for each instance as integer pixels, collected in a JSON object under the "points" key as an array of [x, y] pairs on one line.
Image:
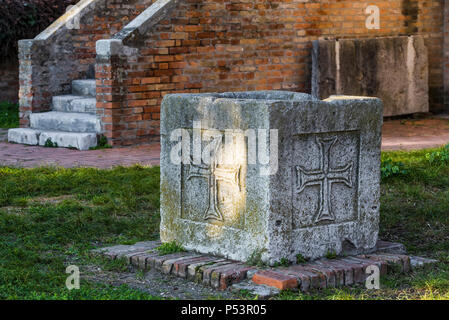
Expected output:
{"points": [[397, 135], [32, 156]]}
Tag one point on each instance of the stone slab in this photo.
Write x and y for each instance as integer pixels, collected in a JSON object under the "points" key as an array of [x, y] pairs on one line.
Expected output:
{"points": [[65, 121], [394, 69], [390, 247], [260, 291], [419, 262], [78, 140], [84, 87], [24, 136], [74, 103]]}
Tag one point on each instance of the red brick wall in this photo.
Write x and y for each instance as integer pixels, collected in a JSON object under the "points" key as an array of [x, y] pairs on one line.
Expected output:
{"points": [[9, 80], [219, 45], [107, 20]]}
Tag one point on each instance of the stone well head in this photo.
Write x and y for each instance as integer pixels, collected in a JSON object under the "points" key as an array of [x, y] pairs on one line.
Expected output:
{"points": [[270, 174]]}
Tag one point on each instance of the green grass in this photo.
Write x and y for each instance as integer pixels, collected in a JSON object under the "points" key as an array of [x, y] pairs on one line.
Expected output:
{"points": [[52, 217], [415, 205], [9, 115]]}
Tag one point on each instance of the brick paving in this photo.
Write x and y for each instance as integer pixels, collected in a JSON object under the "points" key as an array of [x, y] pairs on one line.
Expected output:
{"points": [[405, 134], [33, 156], [222, 274]]}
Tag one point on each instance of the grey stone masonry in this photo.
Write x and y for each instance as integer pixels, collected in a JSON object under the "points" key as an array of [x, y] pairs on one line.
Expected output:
{"points": [[311, 188], [65, 121], [72, 103], [73, 123], [394, 69], [84, 87]]}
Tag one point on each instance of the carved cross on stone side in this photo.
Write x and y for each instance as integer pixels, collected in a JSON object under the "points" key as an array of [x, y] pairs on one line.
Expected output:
{"points": [[325, 176], [213, 173]]}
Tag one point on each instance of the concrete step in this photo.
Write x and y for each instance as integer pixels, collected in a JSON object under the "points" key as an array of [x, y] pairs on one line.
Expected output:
{"points": [[65, 121], [74, 103], [78, 140], [84, 87]]}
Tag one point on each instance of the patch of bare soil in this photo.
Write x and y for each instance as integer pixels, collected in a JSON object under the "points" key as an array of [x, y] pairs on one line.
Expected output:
{"points": [[51, 200], [157, 284]]}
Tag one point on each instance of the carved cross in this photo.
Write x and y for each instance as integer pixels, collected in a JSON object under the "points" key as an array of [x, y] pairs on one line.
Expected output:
{"points": [[213, 173], [325, 176]]}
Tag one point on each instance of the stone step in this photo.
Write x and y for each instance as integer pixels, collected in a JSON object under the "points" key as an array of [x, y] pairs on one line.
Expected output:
{"points": [[84, 87], [65, 121], [78, 140], [24, 136], [74, 103]]}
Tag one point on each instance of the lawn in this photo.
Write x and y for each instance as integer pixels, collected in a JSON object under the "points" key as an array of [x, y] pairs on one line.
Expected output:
{"points": [[9, 115], [51, 218]]}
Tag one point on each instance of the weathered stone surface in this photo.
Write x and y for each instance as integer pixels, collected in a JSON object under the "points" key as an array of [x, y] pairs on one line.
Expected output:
{"points": [[120, 251], [65, 121], [72, 123], [261, 291], [394, 69], [72, 103], [79, 140], [24, 136], [324, 195], [390, 247], [84, 87], [418, 262]]}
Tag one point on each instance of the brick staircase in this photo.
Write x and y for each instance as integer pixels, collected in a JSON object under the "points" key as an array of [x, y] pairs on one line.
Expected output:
{"points": [[72, 123]]}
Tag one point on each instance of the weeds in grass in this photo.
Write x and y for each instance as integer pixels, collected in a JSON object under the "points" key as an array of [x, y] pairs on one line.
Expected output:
{"points": [[391, 168], [439, 157], [36, 246], [170, 247], [256, 259]]}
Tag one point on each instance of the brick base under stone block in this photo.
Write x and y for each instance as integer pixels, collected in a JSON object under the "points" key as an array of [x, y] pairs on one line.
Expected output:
{"points": [[222, 273]]}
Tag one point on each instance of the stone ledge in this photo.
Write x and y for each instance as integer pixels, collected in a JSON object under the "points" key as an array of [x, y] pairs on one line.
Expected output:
{"points": [[224, 274], [147, 19]]}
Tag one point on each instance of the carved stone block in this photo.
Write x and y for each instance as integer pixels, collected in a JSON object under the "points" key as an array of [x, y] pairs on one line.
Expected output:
{"points": [[270, 173]]}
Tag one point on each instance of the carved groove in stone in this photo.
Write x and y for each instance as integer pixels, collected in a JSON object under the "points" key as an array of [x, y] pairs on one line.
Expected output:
{"points": [[324, 177], [213, 173]]}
